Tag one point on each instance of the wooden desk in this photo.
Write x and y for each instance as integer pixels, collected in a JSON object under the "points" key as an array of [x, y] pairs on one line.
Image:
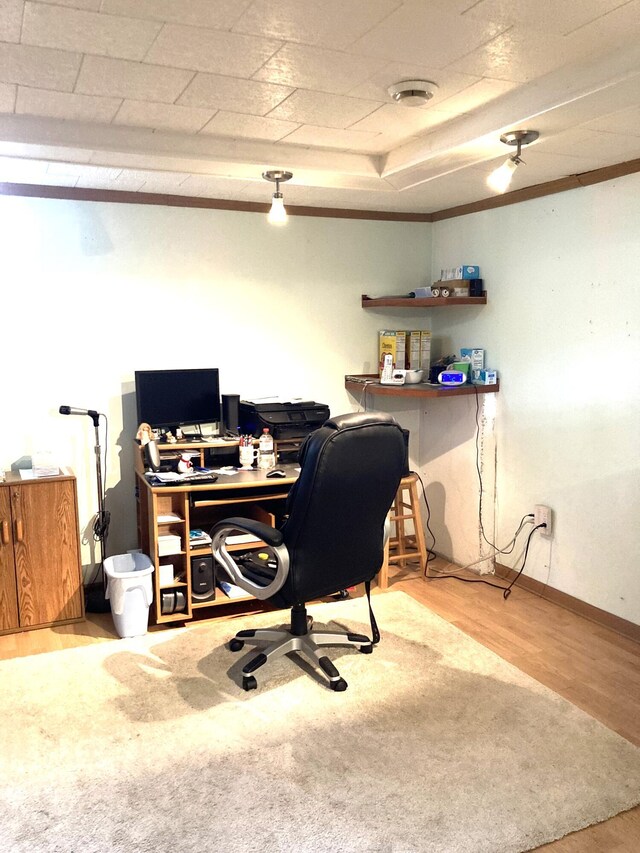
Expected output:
{"points": [[176, 509]]}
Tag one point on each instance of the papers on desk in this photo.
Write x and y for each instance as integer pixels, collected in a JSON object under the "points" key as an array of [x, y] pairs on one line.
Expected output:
{"points": [[232, 591]]}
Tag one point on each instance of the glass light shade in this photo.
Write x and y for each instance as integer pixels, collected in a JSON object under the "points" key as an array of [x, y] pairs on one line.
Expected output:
{"points": [[277, 214], [500, 178]]}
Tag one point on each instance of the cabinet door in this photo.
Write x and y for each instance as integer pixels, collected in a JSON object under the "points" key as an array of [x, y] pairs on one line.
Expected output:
{"points": [[8, 591], [46, 552]]}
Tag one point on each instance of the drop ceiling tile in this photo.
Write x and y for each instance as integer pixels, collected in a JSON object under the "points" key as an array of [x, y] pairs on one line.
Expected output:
{"points": [[623, 121], [611, 32], [599, 148], [384, 142], [135, 80], [520, 55], [10, 20], [246, 126], [48, 152], [327, 137], [543, 15], [476, 95], [418, 30], [7, 97], [332, 23], [87, 32], [82, 170], [307, 67], [232, 93], [204, 186], [321, 108], [217, 14], [401, 120], [218, 52], [65, 105], [18, 170], [91, 5], [162, 116], [102, 182], [38, 66]]}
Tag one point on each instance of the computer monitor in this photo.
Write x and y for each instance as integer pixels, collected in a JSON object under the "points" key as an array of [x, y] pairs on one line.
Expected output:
{"points": [[167, 399]]}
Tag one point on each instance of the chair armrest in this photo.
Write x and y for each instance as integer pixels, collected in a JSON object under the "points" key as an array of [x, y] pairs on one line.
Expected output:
{"points": [[263, 531], [263, 581]]}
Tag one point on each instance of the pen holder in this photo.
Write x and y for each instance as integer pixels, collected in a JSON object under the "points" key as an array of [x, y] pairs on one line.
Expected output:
{"points": [[247, 456]]}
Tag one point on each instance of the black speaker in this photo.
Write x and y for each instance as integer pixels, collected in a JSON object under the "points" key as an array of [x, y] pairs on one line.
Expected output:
{"points": [[230, 413], [203, 585]]}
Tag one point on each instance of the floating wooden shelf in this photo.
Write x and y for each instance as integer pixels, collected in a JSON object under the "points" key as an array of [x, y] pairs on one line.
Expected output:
{"points": [[427, 302], [422, 389]]}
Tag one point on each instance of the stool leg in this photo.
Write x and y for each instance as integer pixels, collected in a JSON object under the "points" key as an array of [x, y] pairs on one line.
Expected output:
{"points": [[417, 524], [383, 574], [399, 507]]}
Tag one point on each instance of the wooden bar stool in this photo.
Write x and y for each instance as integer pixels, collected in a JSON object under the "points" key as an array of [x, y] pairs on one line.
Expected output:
{"points": [[403, 547]]}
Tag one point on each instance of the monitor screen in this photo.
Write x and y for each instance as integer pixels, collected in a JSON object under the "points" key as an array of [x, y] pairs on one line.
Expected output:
{"points": [[166, 399]]}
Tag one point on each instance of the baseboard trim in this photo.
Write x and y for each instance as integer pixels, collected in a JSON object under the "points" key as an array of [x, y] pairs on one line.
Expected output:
{"points": [[575, 605]]}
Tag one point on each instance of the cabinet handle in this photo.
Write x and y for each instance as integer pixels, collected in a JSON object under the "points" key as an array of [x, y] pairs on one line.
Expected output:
{"points": [[5, 532], [19, 530]]}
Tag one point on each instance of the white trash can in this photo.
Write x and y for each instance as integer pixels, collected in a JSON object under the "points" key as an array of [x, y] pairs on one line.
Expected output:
{"points": [[130, 591]]}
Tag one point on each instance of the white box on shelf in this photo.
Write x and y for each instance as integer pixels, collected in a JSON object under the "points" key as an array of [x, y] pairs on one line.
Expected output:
{"points": [[165, 573]]}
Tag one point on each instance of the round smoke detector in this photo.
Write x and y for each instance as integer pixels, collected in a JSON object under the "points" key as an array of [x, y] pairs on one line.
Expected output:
{"points": [[412, 93]]}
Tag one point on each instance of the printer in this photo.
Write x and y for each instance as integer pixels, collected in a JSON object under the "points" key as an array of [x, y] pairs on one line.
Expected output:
{"points": [[287, 422]]}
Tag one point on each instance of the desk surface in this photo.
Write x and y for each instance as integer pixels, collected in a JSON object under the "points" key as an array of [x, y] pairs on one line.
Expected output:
{"points": [[239, 480]]}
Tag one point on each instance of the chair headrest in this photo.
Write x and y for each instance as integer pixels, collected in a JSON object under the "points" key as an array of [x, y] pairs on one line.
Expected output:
{"points": [[357, 419]]}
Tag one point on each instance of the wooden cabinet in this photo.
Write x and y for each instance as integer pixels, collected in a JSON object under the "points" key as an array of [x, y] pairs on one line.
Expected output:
{"points": [[40, 571]]}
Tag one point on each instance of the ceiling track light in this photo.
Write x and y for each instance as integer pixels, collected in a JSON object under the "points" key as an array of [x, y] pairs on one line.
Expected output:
{"points": [[412, 93], [500, 179], [277, 214]]}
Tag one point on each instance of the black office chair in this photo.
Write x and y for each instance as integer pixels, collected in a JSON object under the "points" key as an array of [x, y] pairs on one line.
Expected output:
{"points": [[332, 537]]}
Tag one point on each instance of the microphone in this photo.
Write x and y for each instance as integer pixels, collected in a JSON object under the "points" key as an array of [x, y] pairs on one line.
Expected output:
{"points": [[71, 410]]}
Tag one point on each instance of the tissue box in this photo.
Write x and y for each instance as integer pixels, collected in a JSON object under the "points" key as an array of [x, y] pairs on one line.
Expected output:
{"points": [[487, 377]]}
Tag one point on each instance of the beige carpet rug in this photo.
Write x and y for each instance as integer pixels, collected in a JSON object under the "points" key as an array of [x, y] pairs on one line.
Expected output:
{"points": [[438, 745]]}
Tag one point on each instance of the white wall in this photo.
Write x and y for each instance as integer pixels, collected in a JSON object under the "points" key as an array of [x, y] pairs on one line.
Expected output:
{"points": [[93, 291], [562, 328]]}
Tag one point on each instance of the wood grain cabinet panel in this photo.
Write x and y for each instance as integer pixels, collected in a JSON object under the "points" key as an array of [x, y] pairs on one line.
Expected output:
{"points": [[40, 571]]}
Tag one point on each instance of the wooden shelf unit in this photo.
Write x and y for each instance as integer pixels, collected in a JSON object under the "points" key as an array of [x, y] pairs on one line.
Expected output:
{"points": [[371, 385], [423, 302]]}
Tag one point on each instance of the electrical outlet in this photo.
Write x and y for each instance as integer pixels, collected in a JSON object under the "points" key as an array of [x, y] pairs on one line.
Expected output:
{"points": [[543, 515]]}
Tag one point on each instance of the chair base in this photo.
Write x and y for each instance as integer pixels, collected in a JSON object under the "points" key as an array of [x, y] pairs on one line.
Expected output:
{"points": [[299, 638]]}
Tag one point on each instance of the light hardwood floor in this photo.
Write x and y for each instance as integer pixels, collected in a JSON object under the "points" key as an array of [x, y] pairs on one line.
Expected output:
{"points": [[592, 666]]}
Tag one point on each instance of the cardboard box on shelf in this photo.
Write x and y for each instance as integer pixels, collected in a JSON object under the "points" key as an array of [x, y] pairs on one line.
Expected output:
{"points": [[392, 343], [464, 271], [475, 357], [425, 350], [414, 350]]}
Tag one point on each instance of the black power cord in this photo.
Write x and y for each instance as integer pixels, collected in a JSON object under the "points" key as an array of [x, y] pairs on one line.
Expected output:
{"points": [[506, 590]]}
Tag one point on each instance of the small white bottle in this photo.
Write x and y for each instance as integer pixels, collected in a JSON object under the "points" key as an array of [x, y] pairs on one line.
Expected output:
{"points": [[266, 454]]}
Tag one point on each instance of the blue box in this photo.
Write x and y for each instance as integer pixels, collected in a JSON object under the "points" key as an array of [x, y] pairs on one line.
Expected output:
{"points": [[465, 272]]}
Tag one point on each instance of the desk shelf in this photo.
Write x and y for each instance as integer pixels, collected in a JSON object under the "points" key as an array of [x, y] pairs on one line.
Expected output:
{"points": [[371, 385]]}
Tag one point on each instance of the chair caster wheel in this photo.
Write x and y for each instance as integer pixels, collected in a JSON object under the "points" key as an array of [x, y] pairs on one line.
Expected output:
{"points": [[249, 682], [366, 650], [342, 594], [339, 686], [235, 645]]}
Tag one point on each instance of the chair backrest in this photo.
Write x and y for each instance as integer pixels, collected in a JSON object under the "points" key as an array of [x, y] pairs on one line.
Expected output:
{"points": [[334, 532]]}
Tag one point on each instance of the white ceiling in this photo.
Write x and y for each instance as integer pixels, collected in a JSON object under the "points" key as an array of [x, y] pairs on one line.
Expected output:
{"points": [[199, 97]]}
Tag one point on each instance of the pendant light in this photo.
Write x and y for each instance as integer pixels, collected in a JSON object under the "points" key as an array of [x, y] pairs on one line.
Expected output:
{"points": [[277, 214], [500, 178]]}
